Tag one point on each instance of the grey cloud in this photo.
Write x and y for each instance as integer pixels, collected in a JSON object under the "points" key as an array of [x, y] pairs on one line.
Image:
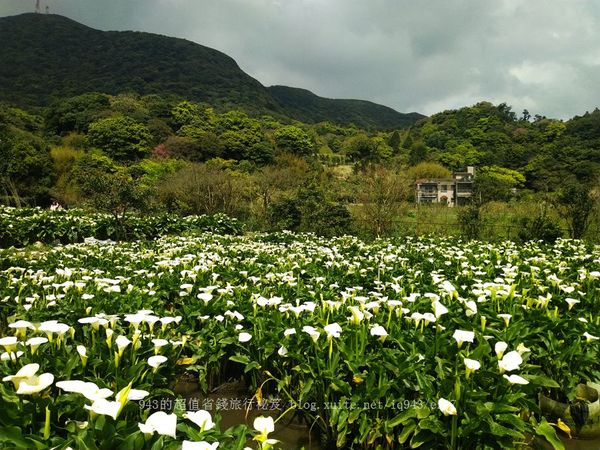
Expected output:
{"points": [[426, 55]]}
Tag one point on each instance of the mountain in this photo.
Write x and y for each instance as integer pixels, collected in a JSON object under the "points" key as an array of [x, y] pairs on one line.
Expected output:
{"points": [[48, 56], [303, 105], [45, 57]]}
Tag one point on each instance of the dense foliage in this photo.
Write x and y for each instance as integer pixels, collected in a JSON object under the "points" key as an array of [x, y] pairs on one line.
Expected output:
{"points": [[20, 227], [549, 153], [429, 343], [127, 153]]}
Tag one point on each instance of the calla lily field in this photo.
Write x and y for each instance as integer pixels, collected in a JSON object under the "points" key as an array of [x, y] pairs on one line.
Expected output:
{"points": [[424, 342]]}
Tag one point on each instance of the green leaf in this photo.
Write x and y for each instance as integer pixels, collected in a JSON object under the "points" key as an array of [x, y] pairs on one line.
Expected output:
{"points": [[341, 438], [542, 380], [501, 430], [306, 389], [251, 366], [423, 412], [239, 359], [421, 438], [407, 430], [159, 444], [401, 418], [432, 424], [8, 395], [513, 420], [547, 431], [14, 436]]}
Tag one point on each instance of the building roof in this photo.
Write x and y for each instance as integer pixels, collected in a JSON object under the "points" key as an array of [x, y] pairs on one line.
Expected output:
{"points": [[434, 180]]}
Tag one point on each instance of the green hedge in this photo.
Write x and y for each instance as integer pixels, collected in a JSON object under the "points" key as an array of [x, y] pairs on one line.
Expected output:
{"points": [[23, 226]]}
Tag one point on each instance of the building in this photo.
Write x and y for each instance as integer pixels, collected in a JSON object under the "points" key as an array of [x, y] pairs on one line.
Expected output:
{"points": [[457, 190]]}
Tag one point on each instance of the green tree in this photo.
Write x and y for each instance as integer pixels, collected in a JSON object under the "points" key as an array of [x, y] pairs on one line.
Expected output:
{"points": [[417, 153], [381, 193], [76, 113], [394, 141], [194, 144], [26, 170], [577, 207], [116, 193], [246, 144], [186, 113], [122, 138], [294, 140], [428, 170], [130, 105], [497, 183], [206, 189], [363, 149]]}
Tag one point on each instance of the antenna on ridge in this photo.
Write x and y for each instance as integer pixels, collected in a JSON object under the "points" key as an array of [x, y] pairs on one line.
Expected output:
{"points": [[37, 6]]}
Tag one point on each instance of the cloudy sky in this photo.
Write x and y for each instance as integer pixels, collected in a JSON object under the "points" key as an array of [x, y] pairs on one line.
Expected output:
{"points": [[425, 55]]}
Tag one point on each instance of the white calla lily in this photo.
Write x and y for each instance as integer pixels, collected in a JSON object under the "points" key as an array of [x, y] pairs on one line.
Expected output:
{"points": [[201, 418], [446, 407], [160, 422]]}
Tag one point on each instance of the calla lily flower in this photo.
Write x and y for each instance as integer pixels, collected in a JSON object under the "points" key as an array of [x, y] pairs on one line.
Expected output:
{"points": [[244, 337], [12, 356], [439, 309], [378, 331], [156, 361], [522, 349], [26, 381], [500, 348], [135, 395], [51, 327], [201, 418], [333, 330], [160, 422], [86, 388], [21, 327], [572, 302], [35, 342], [471, 365], [9, 343], [463, 336], [158, 344], [122, 343], [509, 362], [506, 318], [357, 315], [264, 425], [24, 372], [516, 379], [35, 384], [106, 408], [446, 407], [312, 332]]}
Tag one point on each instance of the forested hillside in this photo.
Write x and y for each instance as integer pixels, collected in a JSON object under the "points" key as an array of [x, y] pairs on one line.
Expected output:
{"points": [[153, 153], [547, 152], [49, 57], [124, 121]]}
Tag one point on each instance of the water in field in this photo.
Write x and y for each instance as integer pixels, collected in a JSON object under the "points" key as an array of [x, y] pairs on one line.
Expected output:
{"points": [[580, 444]]}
